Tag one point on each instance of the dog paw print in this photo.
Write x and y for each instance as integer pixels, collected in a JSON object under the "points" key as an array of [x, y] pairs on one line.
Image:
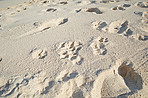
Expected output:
{"points": [[71, 50], [98, 46]]}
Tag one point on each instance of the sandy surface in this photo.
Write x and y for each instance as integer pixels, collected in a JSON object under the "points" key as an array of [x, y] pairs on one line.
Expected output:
{"points": [[73, 49]]}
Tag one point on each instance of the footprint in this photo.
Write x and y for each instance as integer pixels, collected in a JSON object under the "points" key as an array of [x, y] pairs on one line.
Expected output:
{"points": [[121, 7], [122, 79], [27, 86], [70, 50], [118, 8], [120, 27], [142, 4], [63, 2], [138, 13], [93, 10], [109, 1], [77, 10], [51, 10], [98, 46], [99, 25], [43, 26], [143, 14], [39, 53], [140, 37], [126, 5]]}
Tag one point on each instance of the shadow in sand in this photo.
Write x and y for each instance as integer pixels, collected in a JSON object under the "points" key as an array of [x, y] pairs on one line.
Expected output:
{"points": [[132, 79]]}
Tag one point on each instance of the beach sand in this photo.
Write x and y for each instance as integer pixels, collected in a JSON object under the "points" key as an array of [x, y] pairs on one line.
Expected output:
{"points": [[73, 48]]}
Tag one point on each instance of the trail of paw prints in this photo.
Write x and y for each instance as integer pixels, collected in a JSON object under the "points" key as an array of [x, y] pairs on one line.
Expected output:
{"points": [[142, 4], [43, 26], [39, 53], [122, 80], [120, 27], [93, 10], [121, 7], [71, 50], [27, 86], [98, 46]]}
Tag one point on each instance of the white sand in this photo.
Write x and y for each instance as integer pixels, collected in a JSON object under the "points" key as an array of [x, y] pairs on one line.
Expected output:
{"points": [[73, 49]]}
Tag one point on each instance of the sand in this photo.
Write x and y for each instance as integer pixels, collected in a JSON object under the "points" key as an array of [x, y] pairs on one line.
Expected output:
{"points": [[73, 48]]}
